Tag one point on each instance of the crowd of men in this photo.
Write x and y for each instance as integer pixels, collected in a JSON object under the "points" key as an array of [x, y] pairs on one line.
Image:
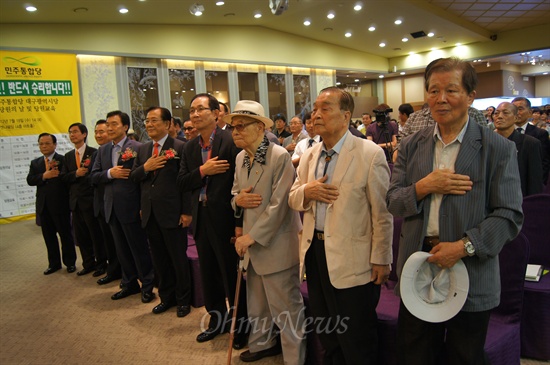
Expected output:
{"points": [[226, 177]]}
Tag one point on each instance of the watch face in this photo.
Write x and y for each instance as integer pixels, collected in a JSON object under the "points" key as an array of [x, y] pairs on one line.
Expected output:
{"points": [[469, 248]]}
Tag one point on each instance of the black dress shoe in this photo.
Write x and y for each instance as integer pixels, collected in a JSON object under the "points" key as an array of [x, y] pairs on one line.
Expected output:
{"points": [[162, 307], [85, 271], [248, 356], [240, 341], [124, 293], [51, 270], [147, 296], [100, 271], [183, 310], [208, 335], [71, 269], [107, 279]]}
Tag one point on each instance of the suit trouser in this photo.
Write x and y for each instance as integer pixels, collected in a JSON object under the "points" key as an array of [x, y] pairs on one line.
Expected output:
{"points": [[133, 254], [345, 319], [51, 224], [169, 254], [276, 298], [88, 236], [460, 340], [218, 262], [113, 266]]}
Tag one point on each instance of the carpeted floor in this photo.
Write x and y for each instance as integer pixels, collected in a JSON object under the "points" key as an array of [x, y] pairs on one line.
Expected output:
{"points": [[66, 319]]}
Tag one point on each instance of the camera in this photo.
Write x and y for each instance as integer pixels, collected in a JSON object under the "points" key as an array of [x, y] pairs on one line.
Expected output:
{"points": [[382, 116]]}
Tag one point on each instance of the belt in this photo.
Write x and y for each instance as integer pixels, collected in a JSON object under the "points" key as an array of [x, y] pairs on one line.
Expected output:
{"points": [[203, 203], [431, 241], [320, 235]]}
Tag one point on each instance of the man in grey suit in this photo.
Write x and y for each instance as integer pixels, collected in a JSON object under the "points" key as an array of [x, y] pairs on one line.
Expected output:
{"points": [[269, 237], [457, 186]]}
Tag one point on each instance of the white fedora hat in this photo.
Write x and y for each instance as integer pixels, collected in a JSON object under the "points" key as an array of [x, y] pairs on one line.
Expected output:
{"points": [[251, 109], [431, 293]]}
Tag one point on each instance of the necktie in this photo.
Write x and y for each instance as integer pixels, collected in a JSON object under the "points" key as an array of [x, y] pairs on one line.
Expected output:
{"points": [[77, 156], [47, 162], [311, 140], [520, 130], [156, 149], [328, 157]]}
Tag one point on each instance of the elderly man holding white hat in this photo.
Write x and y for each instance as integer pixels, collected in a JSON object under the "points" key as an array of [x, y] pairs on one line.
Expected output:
{"points": [[263, 177]]}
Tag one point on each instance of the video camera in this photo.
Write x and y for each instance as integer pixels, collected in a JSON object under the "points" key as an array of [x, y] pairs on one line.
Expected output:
{"points": [[382, 116]]}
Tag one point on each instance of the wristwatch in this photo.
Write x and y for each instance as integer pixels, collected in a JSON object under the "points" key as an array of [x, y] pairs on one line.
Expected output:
{"points": [[468, 246]]}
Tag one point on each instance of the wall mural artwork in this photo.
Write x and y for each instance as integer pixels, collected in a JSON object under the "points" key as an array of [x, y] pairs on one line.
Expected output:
{"points": [[181, 78], [143, 88], [302, 99]]}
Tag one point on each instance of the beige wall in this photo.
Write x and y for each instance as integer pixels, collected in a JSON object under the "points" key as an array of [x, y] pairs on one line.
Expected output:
{"points": [[542, 86]]}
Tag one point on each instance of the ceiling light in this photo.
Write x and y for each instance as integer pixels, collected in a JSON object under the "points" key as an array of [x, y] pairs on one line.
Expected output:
{"points": [[381, 76], [348, 34], [307, 22], [196, 9], [475, 61], [372, 29], [219, 3], [402, 73], [545, 73], [431, 34], [356, 80], [358, 7], [488, 64], [31, 8], [122, 10], [398, 22], [331, 15], [405, 39], [411, 53], [257, 15], [458, 44], [338, 83], [382, 44]]}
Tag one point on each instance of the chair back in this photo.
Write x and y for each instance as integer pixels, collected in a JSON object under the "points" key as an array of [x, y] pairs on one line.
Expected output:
{"points": [[513, 263], [536, 226]]}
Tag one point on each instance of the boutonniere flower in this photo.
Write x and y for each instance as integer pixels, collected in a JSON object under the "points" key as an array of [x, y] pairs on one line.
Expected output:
{"points": [[86, 162], [54, 164], [170, 154], [128, 154]]}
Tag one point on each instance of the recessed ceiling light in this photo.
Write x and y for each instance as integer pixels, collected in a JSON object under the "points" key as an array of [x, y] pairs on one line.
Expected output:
{"points": [[122, 10], [433, 49], [356, 80], [382, 44], [372, 29], [458, 44], [412, 53], [358, 7], [338, 83], [431, 34], [331, 15], [381, 76], [402, 73], [348, 34], [307, 22], [398, 22], [31, 8], [405, 39], [219, 3], [257, 15]]}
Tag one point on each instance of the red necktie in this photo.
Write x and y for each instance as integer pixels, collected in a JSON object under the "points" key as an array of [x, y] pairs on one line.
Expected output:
{"points": [[156, 149]]}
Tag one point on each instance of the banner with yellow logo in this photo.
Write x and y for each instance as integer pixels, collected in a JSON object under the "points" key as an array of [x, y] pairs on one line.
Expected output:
{"points": [[38, 93]]}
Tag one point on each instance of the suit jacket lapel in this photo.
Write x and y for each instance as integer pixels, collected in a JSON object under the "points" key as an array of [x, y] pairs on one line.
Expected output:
{"points": [[344, 159], [425, 148], [471, 144], [216, 143]]}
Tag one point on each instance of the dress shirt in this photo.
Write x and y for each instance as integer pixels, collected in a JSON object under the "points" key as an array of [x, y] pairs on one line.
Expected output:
{"points": [[321, 208], [304, 145], [115, 154]]}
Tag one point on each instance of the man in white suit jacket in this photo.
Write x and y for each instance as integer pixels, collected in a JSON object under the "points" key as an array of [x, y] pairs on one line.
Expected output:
{"points": [[346, 242], [263, 177]]}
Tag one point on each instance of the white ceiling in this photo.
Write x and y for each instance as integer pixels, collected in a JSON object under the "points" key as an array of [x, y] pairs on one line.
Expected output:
{"points": [[451, 21]]}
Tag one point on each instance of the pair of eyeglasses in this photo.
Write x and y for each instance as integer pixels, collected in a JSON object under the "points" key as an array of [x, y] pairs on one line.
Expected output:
{"points": [[199, 110], [188, 128], [241, 127]]}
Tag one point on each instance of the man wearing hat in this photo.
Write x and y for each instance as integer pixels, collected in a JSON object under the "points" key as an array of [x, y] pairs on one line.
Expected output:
{"points": [[346, 242], [263, 177], [207, 170], [457, 186]]}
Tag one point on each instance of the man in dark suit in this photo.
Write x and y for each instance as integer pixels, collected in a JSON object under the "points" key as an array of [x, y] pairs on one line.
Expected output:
{"points": [[524, 127], [207, 169], [122, 205], [81, 194], [529, 148], [52, 204], [113, 270], [165, 211]]}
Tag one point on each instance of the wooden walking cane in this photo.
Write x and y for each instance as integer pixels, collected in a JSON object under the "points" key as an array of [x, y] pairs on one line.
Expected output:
{"points": [[235, 305]]}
